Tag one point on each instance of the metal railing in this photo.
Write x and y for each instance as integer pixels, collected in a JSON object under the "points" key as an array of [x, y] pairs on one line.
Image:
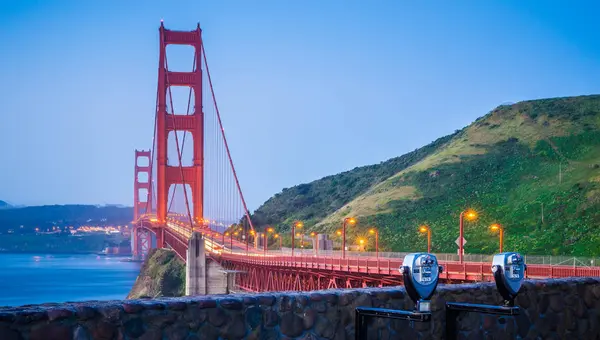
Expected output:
{"points": [[562, 261], [467, 271], [445, 257]]}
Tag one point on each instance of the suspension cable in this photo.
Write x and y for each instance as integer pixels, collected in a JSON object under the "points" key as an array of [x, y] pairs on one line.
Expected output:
{"points": [[184, 131], [187, 204], [225, 139], [151, 161]]}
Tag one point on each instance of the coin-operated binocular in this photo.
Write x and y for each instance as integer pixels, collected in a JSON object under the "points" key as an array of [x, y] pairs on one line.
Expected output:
{"points": [[421, 272], [509, 273]]}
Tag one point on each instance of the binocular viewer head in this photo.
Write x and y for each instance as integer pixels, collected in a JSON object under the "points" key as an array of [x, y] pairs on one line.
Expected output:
{"points": [[509, 274], [421, 272]]}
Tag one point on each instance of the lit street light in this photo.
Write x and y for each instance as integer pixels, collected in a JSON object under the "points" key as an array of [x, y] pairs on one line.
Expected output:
{"points": [[426, 229], [230, 241], [352, 221], [339, 233], [313, 234], [498, 227], [471, 216], [362, 243], [298, 225], [267, 231]]}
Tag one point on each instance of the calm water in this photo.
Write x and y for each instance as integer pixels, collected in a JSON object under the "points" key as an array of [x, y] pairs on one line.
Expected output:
{"points": [[32, 279]]}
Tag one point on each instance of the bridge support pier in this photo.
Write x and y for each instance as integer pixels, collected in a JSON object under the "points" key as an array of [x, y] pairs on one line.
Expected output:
{"points": [[195, 269]]}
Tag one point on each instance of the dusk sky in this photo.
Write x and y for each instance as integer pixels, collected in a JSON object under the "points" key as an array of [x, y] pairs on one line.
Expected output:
{"points": [[306, 88]]}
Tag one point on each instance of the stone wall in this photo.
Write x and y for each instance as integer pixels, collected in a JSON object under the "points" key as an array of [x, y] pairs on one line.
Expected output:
{"points": [[552, 309]]}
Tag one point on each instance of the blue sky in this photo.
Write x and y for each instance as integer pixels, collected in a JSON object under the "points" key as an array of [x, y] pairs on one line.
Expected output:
{"points": [[306, 88]]}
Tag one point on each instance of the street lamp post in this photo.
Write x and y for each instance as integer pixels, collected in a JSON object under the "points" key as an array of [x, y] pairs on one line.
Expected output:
{"points": [[231, 242], [376, 232], [265, 242], [267, 231], [252, 233], [316, 236], [471, 215], [498, 227], [280, 239], [352, 221], [339, 233], [298, 225], [426, 229], [301, 236]]}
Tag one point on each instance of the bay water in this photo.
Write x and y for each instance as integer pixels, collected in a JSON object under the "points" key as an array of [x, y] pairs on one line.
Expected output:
{"points": [[42, 278]]}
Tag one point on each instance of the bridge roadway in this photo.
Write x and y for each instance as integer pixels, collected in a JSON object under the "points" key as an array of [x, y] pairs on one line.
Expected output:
{"points": [[277, 271]]}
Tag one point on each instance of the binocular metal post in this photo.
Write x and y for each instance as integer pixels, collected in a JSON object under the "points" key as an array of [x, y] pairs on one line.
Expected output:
{"points": [[420, 272], [453, 309], [364, 313], [509, 272]]}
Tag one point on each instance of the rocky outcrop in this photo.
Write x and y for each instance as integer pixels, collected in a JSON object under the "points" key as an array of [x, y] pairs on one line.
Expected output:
{"points": [[163, 274]]}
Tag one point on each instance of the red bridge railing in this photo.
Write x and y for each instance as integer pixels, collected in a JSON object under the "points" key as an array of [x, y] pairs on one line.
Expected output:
{"points": [[469, 271], [366, 266]]}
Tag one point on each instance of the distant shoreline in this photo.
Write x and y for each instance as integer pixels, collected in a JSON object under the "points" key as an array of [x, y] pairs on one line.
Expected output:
{"points": [[58, 243], [31, 252]]}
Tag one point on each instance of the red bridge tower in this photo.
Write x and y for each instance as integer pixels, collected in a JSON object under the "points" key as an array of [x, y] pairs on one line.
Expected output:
{"points": [[140, 207], [177, 121]]}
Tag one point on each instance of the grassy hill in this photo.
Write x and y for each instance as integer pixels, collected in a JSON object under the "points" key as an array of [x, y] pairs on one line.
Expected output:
{"points": [[162, 274], [532, 166]]}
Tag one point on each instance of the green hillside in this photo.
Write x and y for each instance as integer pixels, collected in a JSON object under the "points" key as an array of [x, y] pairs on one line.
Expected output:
{"points": [[532, 166], [314, 201]]}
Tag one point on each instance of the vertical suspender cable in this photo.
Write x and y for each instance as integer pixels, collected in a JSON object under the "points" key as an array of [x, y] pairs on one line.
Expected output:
{"points": [[187, 204], [185, 131], [225, 141]]}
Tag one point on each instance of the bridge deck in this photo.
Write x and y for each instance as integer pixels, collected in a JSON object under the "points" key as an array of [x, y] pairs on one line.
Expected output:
{"points": [[265, 268]]}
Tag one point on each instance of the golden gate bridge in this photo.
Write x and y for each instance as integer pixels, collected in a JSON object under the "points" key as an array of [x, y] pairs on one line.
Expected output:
{"points": [[173, 199]]}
